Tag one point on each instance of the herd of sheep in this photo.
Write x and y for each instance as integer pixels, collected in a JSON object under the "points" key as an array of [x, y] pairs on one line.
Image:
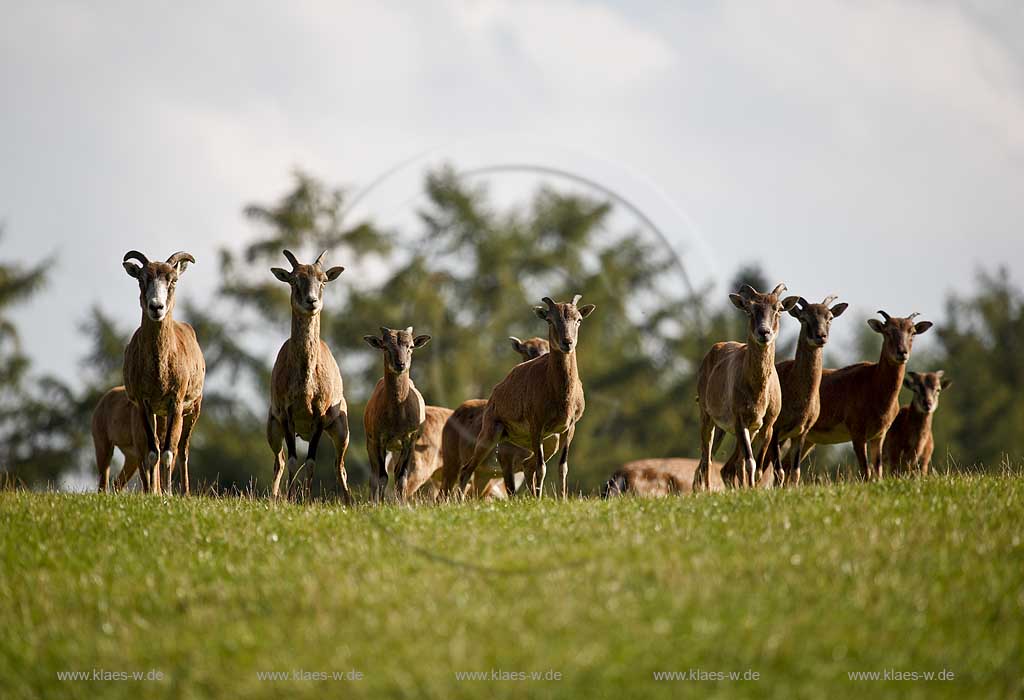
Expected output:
{"points": [[530, 415]]}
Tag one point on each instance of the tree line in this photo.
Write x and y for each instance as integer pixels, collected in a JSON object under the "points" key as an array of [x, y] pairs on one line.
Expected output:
{"points": [[467, 274]]}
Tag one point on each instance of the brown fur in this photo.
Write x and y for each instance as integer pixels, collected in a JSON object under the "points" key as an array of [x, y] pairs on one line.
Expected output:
{"points": [[738, 389], [395, 413], [307, 396], [458, 441], [537, 399], [800, 379], [117, 422], [655, 478], [909, 443], [459, 438], [860, 402], [426, 455], [164, 371]]}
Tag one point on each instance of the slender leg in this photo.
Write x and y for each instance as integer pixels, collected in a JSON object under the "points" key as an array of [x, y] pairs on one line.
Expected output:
{"points": [[860, 448], [797, 449], [508, 462], [338, 432], [762, 445], [293, 457], [275, 438], [540, 467], [491, 433], [707, 437], [175, 422], [378, 469], [188, 425], [310, 465], [402, 468], [743, 445], [104, 451], [875, 456], [563, 460], [151, 454]]}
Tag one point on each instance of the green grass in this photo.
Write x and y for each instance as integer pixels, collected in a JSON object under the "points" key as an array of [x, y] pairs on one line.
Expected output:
{"points": [[800, 586]]}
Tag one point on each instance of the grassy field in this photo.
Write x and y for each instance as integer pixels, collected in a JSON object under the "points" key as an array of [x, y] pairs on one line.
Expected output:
{"points": [[800, 587]]}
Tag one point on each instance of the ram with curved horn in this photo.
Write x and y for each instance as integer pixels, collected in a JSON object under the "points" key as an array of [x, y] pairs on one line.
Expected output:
{"points": [[307, 396], [738, 388], [164, 369], [538, 399], [860, 402]]}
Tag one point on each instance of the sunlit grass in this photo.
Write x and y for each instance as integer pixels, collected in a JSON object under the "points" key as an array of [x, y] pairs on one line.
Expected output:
{"points": [[800, 586]]}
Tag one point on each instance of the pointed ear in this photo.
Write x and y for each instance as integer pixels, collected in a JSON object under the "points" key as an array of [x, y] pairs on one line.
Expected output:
{"points": [[181, 266], [876, 325], [838, 309], [420, 340], [282, 274], [586, 310], [738, 302], [333, 273], [517, 344], [945, 383], [374, 342], [132, 269], [542, 313], [922, 326]]}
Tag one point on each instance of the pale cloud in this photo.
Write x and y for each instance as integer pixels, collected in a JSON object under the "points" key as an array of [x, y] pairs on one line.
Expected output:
{"points": [[836, 142]]}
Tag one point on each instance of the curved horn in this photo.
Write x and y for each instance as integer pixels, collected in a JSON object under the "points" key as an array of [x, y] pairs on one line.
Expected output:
{"points": [[179, 256], [747, 291], [136, 255], [829, 299], [291, 258], [384, 330], [912, 316], [547, 300], [576, 299], [319, 258], [884, 315], [779, 289]]}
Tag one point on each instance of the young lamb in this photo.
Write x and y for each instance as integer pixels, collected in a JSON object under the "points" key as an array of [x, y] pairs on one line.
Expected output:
{"points": [[909, 442]]}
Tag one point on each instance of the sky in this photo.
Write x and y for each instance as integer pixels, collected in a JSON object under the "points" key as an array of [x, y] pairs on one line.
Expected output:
{"points": [[873, 150]]}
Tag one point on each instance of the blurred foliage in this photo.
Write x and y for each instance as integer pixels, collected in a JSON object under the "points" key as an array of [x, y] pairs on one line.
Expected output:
{"points": [[468, 276]]}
